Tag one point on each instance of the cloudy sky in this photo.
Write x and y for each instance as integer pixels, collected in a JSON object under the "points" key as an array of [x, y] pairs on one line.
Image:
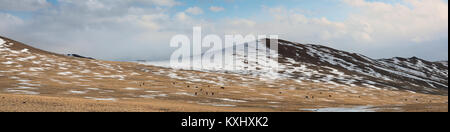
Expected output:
{"points": [[141, 29]]}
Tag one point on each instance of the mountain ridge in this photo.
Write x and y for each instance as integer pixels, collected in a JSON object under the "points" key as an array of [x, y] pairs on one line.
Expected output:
{"points": [[317, 63], [413, 73]]}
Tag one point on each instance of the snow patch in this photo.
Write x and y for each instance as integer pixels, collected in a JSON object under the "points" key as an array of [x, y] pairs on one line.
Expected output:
{"points": [[232, 100], [65, 73], [101, 99], [132, 89], [350, 109], [77, 92]]}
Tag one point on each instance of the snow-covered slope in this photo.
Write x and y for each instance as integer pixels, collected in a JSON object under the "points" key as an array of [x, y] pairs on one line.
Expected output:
{"points": [[315, 63], [398, 73]]}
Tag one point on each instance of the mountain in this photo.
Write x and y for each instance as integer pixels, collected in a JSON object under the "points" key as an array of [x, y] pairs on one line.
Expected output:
{"points": [[342, 67], [445, 63], [321, 64], [310, 78]]}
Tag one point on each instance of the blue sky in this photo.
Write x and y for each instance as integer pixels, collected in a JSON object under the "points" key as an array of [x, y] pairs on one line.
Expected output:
{"points": [[331, 9], [377, 28]]}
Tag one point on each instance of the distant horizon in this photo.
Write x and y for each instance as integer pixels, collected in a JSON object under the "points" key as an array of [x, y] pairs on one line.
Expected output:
{"points": [[141, 30], [168, 58]]}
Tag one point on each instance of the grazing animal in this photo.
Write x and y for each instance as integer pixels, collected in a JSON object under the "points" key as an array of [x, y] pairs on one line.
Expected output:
{"points": [[307, 97], [222, 87]]}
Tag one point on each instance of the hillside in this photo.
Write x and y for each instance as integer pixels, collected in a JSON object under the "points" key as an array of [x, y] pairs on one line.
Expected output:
{"points": [[320, 64], [346, 68], [35, 80]]}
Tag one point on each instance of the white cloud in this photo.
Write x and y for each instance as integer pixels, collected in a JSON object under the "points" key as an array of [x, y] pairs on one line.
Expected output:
{"points": [[105, 29], [181, 16], [194, 10], [216, 8], [8, 22], [116, 29], [243, 22], [164, 2], [117, 3], [23, 5], [377, 29], [423, 20]]}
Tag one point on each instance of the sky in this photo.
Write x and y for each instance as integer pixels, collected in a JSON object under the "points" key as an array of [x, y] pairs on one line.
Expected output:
{"points": [[126, 30]]}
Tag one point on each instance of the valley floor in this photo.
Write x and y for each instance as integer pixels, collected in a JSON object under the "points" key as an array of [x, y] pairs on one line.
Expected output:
{"points": [[31, 103]]}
